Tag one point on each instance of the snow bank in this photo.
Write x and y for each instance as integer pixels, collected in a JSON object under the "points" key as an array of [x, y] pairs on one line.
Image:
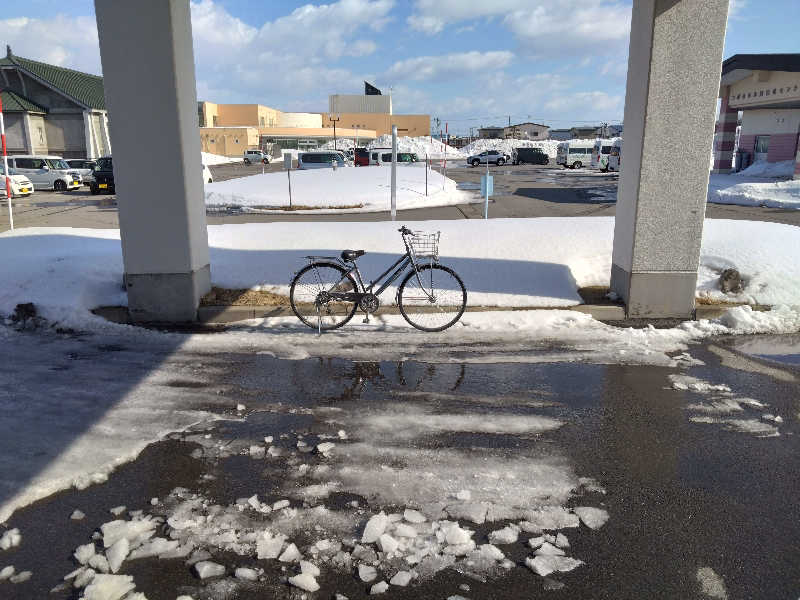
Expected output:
{"points": [[216, 159], [763, 168], [503, 262], [751, 190], [421, 146], [327, 189], [549, 147]]}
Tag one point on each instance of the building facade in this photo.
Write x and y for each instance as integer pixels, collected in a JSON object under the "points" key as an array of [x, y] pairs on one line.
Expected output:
{"points": [[527, 131], [491, 133], [381, 123], [765, 88], [53, 110]]}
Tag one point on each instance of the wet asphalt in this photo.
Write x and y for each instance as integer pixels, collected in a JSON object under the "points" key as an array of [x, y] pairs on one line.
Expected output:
{"points": [[681, 495]]}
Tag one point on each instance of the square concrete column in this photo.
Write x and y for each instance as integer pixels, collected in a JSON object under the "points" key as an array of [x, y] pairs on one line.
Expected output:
{"points": [[797, 159], [725, 136], [674, 67], [148, 71]]}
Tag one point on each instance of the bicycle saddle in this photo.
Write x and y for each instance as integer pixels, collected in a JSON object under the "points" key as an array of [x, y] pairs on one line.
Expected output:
{"points": [[351, 255]]}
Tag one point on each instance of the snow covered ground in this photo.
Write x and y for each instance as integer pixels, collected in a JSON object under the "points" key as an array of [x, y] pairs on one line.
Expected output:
{"points": [[364, 189], [761, 184], [216, 159]]}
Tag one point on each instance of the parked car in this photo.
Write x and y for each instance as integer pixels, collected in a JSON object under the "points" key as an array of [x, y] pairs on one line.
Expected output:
{"points": [[207, 178], [320, 159], [361, 157], [84, 167], [256, 156], [383, 156], [20, 185], [45, 172], [103, 176], [531, 156], [488, 156], [574, 155]]}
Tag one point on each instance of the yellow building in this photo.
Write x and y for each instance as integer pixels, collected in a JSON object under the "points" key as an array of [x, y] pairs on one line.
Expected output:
{"points": [[381, 123], [228, 141]]}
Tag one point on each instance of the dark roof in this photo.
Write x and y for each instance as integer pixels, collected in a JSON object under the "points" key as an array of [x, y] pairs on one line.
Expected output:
{"points": [[13, 102], [762, 62], [530, 123], [86, 89]]}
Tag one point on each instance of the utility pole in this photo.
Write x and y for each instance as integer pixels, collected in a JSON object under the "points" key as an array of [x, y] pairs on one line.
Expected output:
{"points": [[334, 121]]}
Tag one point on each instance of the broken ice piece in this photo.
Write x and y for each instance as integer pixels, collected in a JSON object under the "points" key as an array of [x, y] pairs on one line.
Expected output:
{"points": [[309, 567], [253, 502], [593, 518], [6, 572], [268, 546], [544, 565], [547, 549], [387, 543], [109, 586], [117, 510], [374, 528], [325, 447], [379, 588], [291, 554], [153, 501], [342, 434], [117, 553], [535, 542], [367, 573], [77, 515], [403, 530], [273, 451], [280, 504], [240, 407], [304, 581], [10, 539], [464, 495], [456, 535], [402, 578], [83, 553], [98, 562], [506, 535], [268, 439], [257, 451], [413, 516], [20, 577], [246, 574], [207, 568], [562, 541]]}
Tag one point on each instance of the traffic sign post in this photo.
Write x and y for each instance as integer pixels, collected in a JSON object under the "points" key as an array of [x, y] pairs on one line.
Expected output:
{"points": [[287, 164]]}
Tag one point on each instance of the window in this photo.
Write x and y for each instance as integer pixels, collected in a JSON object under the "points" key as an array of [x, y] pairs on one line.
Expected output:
{"points": [[41, 134], [215, 120], [261, 121], [605, 150], [387, 157], [235, 140], [375, 156], [535, 134], [762, 144]]}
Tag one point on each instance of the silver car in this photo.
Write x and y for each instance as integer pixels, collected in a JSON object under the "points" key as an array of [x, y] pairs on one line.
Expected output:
{"points": [[488, 156]]}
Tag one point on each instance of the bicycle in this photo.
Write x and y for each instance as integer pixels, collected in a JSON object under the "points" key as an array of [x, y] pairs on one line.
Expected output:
{"points": [[326, 293]]}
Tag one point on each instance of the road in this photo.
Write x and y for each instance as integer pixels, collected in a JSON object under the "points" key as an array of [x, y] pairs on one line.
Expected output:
{"points": [[520, 191], [690, 503]]}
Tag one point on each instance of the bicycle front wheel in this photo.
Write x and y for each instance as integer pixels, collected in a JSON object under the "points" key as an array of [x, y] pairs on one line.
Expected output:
{"points": [[310, 299], [432, 298]]}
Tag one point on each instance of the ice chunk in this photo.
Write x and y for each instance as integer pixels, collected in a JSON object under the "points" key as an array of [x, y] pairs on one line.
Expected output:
{"points": [[117, 554], [375, 528], [562, 541], [6, 572], [134, 531], [471, 511], [413, 516], [156, 547], [184, 597], [325, 447], [593, 518], [153, 501], [117, 510], [280, 504], [460, 549], [305, 581], [403, 530], [310, 568], [20, 577], [506, 535], [207, 568], [274, 451], [83, 553], [98, 562], [246, 574], [342, 434], [402, 578], [387, 543], [240, 407], [535, 542], [464, 495], [291, 554], [548, 517], [77, 515], [269, 546], [10, 539], [547, 549], [492, 552], [456, 535], [711, 584], [544, 565], [257, 451], [379, 588], [108, 587], [367, 573]]}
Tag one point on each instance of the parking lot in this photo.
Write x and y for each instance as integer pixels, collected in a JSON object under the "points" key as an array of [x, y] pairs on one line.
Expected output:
{"points": [[519, 191]]}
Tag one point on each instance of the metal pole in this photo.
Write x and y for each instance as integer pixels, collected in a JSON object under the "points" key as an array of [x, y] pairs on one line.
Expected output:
{"points": [[427, 166], [394, 172], [9, 193], [486, 203], [447, 136], [289, 175]]}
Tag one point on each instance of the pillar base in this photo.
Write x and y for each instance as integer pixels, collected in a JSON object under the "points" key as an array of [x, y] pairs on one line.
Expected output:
{"points": [[655, 294], [721, 171], [166, 297]]}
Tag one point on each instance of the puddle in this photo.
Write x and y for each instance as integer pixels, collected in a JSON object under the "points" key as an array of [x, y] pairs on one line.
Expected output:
{"points": [[778, 348]]}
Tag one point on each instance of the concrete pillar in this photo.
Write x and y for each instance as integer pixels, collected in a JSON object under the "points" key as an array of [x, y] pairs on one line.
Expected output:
{"points": [[797, 159], [28, 131], [674, 66], [148, 70], [87, 134], [725, 136]]}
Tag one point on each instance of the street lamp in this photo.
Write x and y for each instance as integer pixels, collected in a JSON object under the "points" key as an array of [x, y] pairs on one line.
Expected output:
{"points": [[334, 121]]}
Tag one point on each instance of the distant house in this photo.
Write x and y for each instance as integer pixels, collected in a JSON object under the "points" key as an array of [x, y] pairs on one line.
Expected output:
{"points": [[491, 133], [52, 110], [579, 133], [527, 131], [560, 134]]}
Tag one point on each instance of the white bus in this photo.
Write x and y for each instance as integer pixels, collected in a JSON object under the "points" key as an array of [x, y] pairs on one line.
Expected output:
{"points": [[575, 153], [600, 153], [615, 157]]}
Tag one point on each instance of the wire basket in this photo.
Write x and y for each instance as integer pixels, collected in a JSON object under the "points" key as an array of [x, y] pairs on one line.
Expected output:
{"points": [[424, 245]]}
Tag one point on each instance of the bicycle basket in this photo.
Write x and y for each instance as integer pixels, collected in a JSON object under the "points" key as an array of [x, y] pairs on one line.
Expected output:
{"points": [[424, 245]]}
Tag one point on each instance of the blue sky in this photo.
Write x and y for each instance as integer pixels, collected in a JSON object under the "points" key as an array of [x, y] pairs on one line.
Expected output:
{"points": [[468, 63]]}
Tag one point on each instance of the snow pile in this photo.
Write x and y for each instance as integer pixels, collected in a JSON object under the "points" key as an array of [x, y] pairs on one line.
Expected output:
{"points": [[421, 146], [762, 168], [351, 189], [758, 185], [217, 159], [549, 147]]}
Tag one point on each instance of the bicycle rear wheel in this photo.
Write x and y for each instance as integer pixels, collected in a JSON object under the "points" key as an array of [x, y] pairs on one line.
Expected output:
{"points": [[434, 300], [309, 298]]}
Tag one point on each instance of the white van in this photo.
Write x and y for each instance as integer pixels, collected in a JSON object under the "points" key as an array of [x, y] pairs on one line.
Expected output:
{"points": [[615, 157], [46, 172], [574, 154], [383, 156], [600, 153]]}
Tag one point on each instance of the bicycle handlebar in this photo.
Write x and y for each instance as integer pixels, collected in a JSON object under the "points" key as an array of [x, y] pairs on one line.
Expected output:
{"points": [[404, 230]]}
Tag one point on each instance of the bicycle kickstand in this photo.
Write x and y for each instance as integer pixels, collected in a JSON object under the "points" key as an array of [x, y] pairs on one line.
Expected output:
{"points": [[319, 322]]}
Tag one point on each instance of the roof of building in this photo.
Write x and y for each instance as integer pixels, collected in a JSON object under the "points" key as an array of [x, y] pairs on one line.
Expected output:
{"points": [[529, 123], [85, 88], [739, 66], [13, 102]]}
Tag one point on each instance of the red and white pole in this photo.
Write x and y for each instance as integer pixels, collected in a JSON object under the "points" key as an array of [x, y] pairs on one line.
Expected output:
{"points": [[9, 193], [447, 136]]}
